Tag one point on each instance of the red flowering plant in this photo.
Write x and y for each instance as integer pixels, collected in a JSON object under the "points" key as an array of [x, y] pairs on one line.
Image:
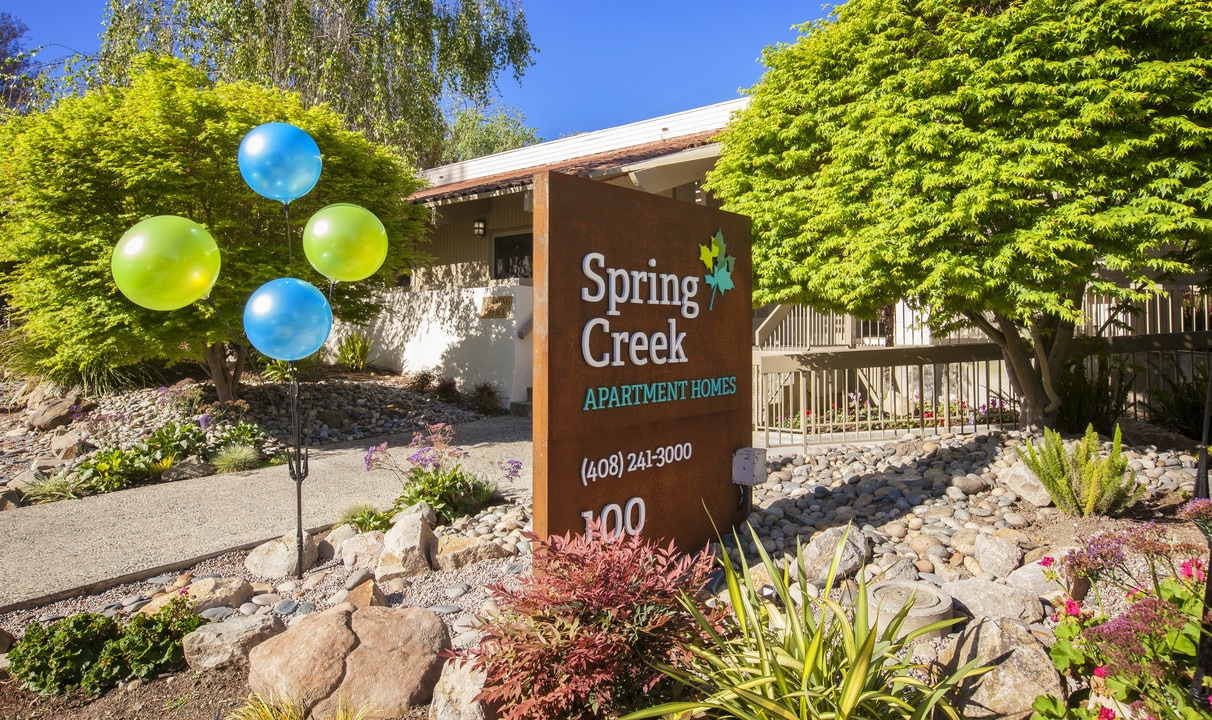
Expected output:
{"points": [[575, 640], [1141, 658]]}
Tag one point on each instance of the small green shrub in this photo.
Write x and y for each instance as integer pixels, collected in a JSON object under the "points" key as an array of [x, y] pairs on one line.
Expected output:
{"points": [[112, 469], [172, 441], [783, 658], [94, 653], [1178, 403], [579, 636], [364, 518], [282, 370], [353, 351], [1080, 482], [241, 433], [64, 486], [236, 457], [485, 399]]}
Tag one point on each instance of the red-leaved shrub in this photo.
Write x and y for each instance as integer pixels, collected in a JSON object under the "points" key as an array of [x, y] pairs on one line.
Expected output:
{"points": [[571, 642]]}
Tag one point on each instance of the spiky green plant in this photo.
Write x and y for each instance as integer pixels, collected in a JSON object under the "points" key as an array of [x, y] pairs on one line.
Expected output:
{"points": [[236, 457], [810, 660], [57, 487], [354, 350], [1080, 481]]}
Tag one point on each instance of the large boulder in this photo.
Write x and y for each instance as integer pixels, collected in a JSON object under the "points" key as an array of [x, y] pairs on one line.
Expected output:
{"points": [[206, 594], [68, 444], [1034, 578], [386, 659], [228, 643], [1026, 485], [454, 696], [984, 598], [455, 552], [58, 412], [819, 554], [1023, 670], [279, 558], [407, 548]]}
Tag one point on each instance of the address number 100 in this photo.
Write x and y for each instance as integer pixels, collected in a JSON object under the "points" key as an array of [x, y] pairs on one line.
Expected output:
{"points": [[617, 521]]}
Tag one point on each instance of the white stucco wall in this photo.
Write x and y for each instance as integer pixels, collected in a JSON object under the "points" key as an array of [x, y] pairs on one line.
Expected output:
{"points": [[442, 331]]}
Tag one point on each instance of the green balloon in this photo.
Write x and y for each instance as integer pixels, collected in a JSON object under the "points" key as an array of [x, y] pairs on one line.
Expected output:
{"points": [[166, 262], [345, 242]]}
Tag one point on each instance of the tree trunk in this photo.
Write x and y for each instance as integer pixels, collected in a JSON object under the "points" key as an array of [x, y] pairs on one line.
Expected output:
{"points": [[225, 377]]}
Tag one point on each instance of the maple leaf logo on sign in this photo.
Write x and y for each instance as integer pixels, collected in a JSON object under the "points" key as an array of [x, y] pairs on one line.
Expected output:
{"points": [[719, 265]]}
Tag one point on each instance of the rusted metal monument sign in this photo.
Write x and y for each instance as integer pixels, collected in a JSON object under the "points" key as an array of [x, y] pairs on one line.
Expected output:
{"points": [[642, 362]]}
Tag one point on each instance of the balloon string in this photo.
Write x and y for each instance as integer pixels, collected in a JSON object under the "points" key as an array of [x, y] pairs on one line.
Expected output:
{"points": [[331, 285], [290, 249], [222, 319]]}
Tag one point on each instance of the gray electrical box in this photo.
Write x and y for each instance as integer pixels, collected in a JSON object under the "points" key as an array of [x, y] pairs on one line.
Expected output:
{"points": [[749, 466]]}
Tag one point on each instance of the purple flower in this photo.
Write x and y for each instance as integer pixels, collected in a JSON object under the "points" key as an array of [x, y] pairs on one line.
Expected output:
{"points": [[1199, 512], [204, 421], [1125, 641], [1102, 554], [512, 468], [372, 454]]}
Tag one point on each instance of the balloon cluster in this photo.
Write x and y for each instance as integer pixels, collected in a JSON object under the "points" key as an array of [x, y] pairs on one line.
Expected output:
{"points": [[168, 262]]}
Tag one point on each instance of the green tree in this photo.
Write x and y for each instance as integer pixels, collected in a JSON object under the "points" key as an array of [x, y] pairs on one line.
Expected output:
{"points": [[474, 132], [986, 162], [76, 177], [15, 85], [385, 66]]}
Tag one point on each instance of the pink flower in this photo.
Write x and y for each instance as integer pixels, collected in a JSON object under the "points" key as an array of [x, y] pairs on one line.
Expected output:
{"points": [[1100, 672], [1106, 714], [1072, 607], [1046, 561]]}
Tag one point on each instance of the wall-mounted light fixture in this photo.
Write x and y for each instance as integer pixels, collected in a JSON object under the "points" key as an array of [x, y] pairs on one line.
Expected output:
{"points": [[478, 227]]}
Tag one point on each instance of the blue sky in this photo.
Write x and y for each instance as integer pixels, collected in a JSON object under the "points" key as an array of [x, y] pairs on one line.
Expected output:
{"points": [[600, 63]]}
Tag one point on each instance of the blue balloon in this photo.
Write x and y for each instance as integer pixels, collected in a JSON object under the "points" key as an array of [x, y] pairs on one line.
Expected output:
{"points": [[287, 319], [279, 161]]}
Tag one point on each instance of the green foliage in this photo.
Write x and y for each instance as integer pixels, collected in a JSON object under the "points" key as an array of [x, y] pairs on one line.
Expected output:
{"points": [[364, 518], [432, 473], [111, 469], [789, 657], [384, 66], [274, 370], [172, 441], [353, 351], [241, 433], [474, 132], [1100, 400], [78, 175], [1178, 403], [94, 653], [237, 457], [15, 84], [575, 639], [486, 399], [57, 487], [985, 163], [1081, 482]]}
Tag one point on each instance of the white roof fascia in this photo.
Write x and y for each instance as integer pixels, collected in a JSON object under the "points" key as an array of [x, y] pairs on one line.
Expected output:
{"points": [[689, 122]]}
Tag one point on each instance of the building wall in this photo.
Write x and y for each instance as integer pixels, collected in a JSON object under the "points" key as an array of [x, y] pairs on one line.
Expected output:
{"points": [[442, 331], [460, 259]]}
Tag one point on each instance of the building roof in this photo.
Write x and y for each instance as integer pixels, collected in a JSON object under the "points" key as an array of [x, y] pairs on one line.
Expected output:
{"points": [[601, 154]]}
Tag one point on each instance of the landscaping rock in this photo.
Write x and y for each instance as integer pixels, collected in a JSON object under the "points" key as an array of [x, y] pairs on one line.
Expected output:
{"points": [[9, 499], [819, 553], [997, 556], [385, 658], [421, 508], [984, 598], [1023, 670], [228, 643], [407, 547], [279, 558], [57, 413], [455, 552], [1032, 578], [68, 444], [6, 641], [454, 695], [366, 594], [188, 469], [1026, 485], [362, 551]]}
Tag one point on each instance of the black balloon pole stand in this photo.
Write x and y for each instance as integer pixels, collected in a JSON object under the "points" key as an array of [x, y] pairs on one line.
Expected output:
{"points": [[296, 458]]}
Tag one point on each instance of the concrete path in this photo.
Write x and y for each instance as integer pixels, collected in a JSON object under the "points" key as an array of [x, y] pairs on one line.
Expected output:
{"points": [[54, 551]]}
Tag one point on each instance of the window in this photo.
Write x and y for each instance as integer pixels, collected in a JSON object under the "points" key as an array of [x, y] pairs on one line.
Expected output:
{"points": [[512, 256]]}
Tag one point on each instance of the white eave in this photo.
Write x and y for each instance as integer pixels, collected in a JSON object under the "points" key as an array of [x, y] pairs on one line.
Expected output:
{"points": [[689, 122]]}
